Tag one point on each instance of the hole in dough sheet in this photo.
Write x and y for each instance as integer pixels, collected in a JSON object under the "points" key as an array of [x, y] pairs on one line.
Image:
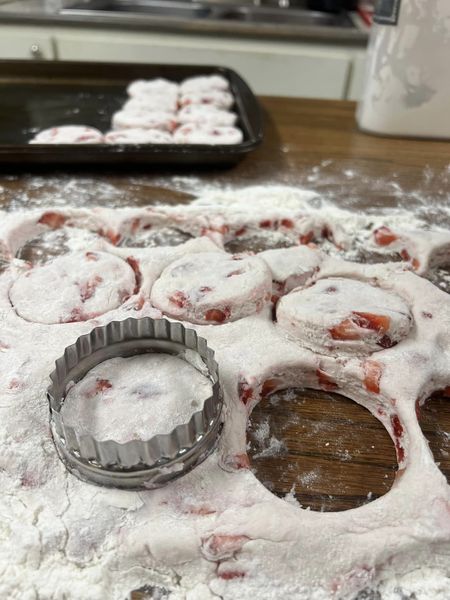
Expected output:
{"points": [[361, 254], [150, 592], [155, 237], [434, 419], [44, 247], [52, 243], [258, 242], [3, 264], [440, 276], [369, 594], [330, 451], [433, 215]]}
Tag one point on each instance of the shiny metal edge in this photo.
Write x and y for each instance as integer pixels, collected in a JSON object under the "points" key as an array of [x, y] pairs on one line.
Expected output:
{"points": [[138, 464], [357, 36]]}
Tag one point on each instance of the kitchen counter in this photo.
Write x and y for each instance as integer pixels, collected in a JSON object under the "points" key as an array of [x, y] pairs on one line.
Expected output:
{"points": [[32, 13], [316, 145]]}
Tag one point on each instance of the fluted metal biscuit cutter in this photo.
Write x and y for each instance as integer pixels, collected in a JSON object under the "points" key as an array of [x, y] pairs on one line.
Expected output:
{"points": [[135, 464]]}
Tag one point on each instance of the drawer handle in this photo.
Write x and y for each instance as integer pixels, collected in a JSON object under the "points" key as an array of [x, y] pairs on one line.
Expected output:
{"points": [[35, 51]]}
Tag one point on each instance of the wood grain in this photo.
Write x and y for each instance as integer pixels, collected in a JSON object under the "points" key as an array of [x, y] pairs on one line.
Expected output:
{"points": [[314, 144], [434, 419], [330, 452]]}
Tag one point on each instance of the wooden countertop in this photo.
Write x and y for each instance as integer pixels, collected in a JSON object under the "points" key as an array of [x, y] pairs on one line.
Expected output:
{"points": [[335, 454]]}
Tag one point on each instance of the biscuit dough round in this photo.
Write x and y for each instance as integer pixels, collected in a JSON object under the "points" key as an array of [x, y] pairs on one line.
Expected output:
{"points": [[212, 287], [74, 287], [337, 315]]}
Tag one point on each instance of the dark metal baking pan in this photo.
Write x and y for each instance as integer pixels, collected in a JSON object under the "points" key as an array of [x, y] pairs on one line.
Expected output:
{"points": [[35, 95]]}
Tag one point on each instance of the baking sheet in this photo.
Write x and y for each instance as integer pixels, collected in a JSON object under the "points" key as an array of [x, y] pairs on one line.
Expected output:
{"points": [[36, 95]]}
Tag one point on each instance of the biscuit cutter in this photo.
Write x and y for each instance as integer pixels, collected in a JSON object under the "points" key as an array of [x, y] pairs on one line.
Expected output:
{"points": [[137, 464]]}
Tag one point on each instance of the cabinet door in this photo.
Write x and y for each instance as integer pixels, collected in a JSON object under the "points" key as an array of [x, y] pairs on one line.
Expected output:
{"points": [[25, 42], [270, 67]]}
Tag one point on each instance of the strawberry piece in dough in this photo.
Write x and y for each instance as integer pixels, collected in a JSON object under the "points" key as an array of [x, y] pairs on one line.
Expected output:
{"points": [[379, 323], [349, 329], [373, 371], [337, 315], [53, 220], [217, 315], [227, 575], [306, 238], [345, 330], [220, 546], [397, 430], [235, 462], [269, 386], [245, 391], [407, 257], [326, 382], [212, 288], [88, 288], [74, 287], [384, 236]]}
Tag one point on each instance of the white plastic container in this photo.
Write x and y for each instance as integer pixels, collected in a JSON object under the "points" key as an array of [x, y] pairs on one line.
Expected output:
{"points": [[407, 88]]}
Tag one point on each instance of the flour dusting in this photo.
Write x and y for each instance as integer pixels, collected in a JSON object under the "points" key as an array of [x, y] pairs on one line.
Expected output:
{"points": [[217, 532]]}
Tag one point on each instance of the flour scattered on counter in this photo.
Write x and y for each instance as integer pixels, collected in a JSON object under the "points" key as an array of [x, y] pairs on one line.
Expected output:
{"points": [[306, 479], [419, 584], [373, 195], [344, 455], [261, 433], [274, 448], [290, 497]]}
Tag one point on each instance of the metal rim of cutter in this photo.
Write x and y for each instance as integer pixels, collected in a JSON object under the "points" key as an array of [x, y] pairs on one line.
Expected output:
{"points": [[137, 464]]}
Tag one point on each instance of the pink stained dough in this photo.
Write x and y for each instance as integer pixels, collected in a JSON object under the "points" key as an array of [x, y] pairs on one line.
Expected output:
{"points": [[218, 532]]}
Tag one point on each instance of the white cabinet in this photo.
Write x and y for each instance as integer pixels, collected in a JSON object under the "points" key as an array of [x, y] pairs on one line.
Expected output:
{"points": [[270, 67], [26, 42]]}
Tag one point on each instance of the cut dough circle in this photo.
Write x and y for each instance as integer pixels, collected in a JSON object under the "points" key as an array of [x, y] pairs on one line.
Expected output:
{"points": [[337, 315], [207, 134], [222, 100], [151, 103], [204, 83], [212, 288], [138, 136], [143, 119], [75, 287], [205, 114], [152, 87], [157, 392], [68, 134]]}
